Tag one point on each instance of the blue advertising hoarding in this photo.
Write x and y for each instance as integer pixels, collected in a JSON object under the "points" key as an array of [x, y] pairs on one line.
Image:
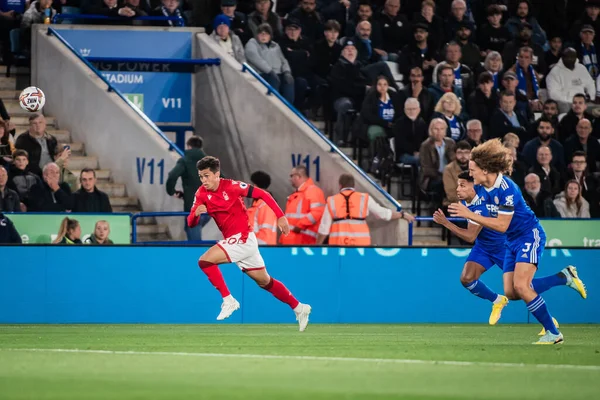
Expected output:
{"points": [[165, 97]]}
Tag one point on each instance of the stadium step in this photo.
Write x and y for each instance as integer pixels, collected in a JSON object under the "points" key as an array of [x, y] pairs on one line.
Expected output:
{"points": [[9, 94], [102, 175], [156, 237], [152, 229], [80, 162], [8, 83], [61, 135], [112, 189], [22, 122], [124, 201]]}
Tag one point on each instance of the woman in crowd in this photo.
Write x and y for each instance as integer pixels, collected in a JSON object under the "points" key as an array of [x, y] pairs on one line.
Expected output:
{"points": [[493, 65], [69, 232], [100, 235], [570, 203], [380, 110], [449, 109]]}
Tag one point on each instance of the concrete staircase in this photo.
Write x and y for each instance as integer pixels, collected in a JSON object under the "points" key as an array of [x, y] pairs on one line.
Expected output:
{"points": [[148, 228]]}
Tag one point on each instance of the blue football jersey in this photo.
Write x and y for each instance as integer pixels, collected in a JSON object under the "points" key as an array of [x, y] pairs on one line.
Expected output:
{"points": [[488, 238], [505, 197]]}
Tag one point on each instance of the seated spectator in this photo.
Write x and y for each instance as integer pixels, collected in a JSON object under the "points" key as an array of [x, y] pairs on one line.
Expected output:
{"points": [[505, 119], [587, 54], [380, 110], [589, 184], [364, 13], [100, 235], [460, 164], [409, 132], [511, 140], [540, 201], [568, 78], [568, 124], [523, 39], [339, 11], [69, 232], [510, 83], [552, 55], [9, 199], [549, 112], [297, 51], [493, 65], [109, 8], [445, 84], [266, 57], [471, 54], [493, 36], [545, 138], [35, 14], [40, 145], [169, 8], [88, 198], [309, 19], [395, 30], [238, 21], [483, 101], [435, 153], [464, 78], [522, 16], [570, 203], [518, 168], [549, 175], [49, 195], [417, 90], [589, 17], [435, 24], [457, 16], [327, 50], [449, 109], [7, 146], [8, 232], [226, 39], [136, 8], [263, 15], [419, 53], [474, 133], [21, 179], [581, 141], [367, 53], [528, 78]]}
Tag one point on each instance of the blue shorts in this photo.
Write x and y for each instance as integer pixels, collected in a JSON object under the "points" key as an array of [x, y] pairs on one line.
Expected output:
{"points": [[526, 249], [487, 257]]}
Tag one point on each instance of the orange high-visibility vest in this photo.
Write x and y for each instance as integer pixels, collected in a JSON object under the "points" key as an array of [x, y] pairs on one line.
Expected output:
{"points": [[304, 210], [348, 211], [263, 221]]}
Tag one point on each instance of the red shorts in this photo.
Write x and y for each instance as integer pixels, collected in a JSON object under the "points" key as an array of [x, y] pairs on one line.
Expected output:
{"points": [[243, 252]]}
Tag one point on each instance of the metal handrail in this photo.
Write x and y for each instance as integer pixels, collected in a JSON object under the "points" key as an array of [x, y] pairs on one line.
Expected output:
{"points": [[180, 61], [333, 147], [425, 219], [111, 88], [119, 18]]}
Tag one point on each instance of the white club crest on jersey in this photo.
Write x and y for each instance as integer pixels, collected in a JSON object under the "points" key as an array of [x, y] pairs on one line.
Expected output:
{"points": [[209, 196], [225, 196]]}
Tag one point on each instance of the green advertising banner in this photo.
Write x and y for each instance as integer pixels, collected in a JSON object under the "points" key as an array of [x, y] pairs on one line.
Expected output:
{"points": [[43, 228], [572, 233]]}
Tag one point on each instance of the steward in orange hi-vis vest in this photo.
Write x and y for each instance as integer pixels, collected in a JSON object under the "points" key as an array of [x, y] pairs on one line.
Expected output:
{"points": [[349, 210], [263, 221]]}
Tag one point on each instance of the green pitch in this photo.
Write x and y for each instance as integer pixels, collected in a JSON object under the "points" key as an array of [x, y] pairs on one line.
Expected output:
{"points": [[276, 362]]}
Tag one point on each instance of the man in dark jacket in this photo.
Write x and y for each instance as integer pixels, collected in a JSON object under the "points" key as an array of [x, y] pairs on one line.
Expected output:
{"points": [[88, 198], [239, 23], [540, 201], [395, 30], [583, 141], [9, 199], [8, 232], [41, 146], [327, 50], [483, 101], [21, 180], [49, 195], [419, 53], [310, 20], [185, 168], [409, 132], [505, 119], [367, 52]]}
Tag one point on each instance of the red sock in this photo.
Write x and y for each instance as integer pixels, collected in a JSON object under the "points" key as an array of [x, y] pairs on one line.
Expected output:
{"points": [[281, 293], [215, 277]]}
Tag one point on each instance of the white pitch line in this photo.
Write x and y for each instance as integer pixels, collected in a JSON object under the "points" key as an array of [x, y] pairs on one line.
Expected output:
{"points": [[318, 358]]}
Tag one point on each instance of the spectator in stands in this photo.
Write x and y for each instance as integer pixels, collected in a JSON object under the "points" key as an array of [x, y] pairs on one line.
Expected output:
{"points": [[493, 36], [367, 53], [339, 11], [88, 198], [581, 141], [505, 119], [238, 22], [69, 232], [539, 200], [169, 8], [456, 17], [435, 24], [474, 133], [263, 15], [7, 146], [417, 90], [528, 78], [261, 217], [41, 146], [568, 78], [471, 54], [510, 83], [518, 168], [549, 175], [419, 52], [35, 14], [409, 132], [100, 235], [570, 203], [523, 16], [449, 109], [483, 101], [588, 182], [460, 164], [264, 55], [185, 168], [227, 39], [21, 179], [380, 110], [553, 54], [523, 39], [545, 137], [395, 30], [587, 54], [327, 51], [578, 111], [110, 8], [309, 19], [550, 112], [511, 140], [364, 13], [445, 84], [435, 153], [297, 51], [463, 76], [9, 199], [493, 64], [140, 8], [590, 17], [50, 195], [9, 20], [8, 232]]}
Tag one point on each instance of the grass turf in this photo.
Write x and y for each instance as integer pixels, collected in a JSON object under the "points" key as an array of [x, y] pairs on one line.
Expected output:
{"points": [[41, 375]]}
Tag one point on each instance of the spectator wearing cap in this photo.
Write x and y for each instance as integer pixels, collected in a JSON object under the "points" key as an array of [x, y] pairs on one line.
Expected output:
{"points": [[510, 83], [528, 78], [226, 39], [587, 51], [464, 78], [589, 17], [458, 15], [327, 50], [265, 56], [395, 30], [419, 53], [505, 119], [170, 8], [493, 36], [8, 232], [482, 103], [568, 78], [552, 55], [264, 15], [523, 15], [297, 50], [309, 19], [524, 39], [239, 22], [470, 51], [435, 24]]}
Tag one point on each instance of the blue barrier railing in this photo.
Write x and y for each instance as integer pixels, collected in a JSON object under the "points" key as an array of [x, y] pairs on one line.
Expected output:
{"points": [[111, 88], [134, 224], [60, 17], [180, 61], [426, 219], [333, 147]]}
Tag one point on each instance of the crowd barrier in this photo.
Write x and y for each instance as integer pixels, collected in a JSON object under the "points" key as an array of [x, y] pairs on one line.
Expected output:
{"points": [[160, 284]]}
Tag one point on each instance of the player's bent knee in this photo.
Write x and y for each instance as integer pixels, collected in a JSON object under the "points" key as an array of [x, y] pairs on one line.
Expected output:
{"points": [[522, 288]]}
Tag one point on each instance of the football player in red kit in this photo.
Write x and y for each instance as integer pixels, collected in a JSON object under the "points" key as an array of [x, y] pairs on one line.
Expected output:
{"points": [[222, 200]]}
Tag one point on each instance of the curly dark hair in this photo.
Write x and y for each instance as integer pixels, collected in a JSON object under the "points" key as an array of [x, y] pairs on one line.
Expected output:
{"points": [[209, 162], [492, 156]]}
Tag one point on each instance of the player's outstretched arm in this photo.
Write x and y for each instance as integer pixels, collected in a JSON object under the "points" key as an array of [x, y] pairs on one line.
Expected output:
{"points": [[469, 234], [499, 224]]}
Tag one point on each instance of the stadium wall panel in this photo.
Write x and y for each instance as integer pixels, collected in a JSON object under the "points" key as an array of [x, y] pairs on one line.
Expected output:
{"points": [[143, 284]]}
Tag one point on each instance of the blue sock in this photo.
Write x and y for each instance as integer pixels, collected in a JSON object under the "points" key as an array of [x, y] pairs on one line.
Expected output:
{"points": [[539, 310], [480, 289], [540, 285]]}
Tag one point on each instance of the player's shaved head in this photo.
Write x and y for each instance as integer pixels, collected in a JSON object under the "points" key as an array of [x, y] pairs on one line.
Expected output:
{"points": [[209, 162]]}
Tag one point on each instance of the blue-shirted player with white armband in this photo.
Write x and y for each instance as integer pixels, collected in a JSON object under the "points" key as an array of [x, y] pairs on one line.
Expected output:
{"points": [[525, 237]]}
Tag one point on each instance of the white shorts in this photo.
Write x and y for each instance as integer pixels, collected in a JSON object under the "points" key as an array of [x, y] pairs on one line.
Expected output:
{"points": [[243, 252]]}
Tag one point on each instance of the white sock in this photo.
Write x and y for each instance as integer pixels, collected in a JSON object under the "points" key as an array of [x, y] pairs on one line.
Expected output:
{"points": [[298, 308], [498, 299], [228, 299]]}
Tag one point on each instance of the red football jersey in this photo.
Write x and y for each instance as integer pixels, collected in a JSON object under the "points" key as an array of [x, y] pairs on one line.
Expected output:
{"points": [[226, 207]]}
